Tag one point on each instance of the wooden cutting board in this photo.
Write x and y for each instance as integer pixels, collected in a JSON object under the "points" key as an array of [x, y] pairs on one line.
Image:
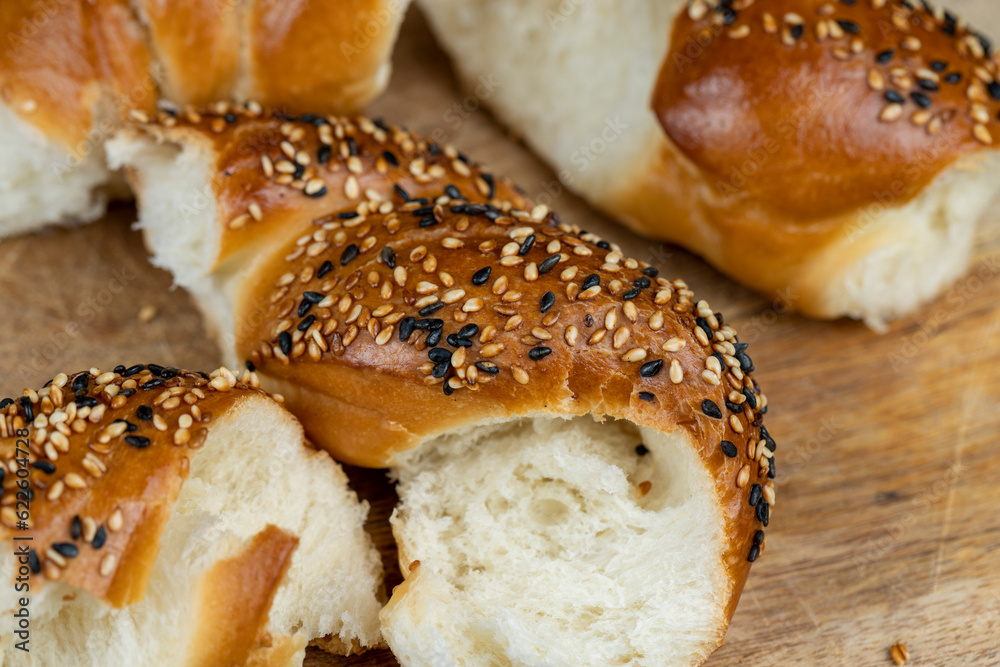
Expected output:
{"points": [[887, 524]]}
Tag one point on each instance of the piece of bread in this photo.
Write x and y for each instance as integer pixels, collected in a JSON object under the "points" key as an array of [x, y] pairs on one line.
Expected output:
{"points": [[71, 70], [584, 474], [176, 518], [758, 134]]}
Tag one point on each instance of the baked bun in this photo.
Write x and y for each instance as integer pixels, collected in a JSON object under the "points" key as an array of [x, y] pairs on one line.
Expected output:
{"points": [[835, 155], [176, 518], [70, 71], [584, 477]]}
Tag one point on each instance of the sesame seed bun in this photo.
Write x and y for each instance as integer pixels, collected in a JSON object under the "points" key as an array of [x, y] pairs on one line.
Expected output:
{"points": [[403, 300], [834, 155], [167, 524]]}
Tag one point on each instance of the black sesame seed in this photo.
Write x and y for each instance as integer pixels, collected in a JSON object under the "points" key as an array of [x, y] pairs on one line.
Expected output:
{"points": [[590, 281], [487, 367], [434, 337], [457, 341], [526, 245], [429, 310], [306, 323], [468, 331], [325, 268], [849, 26], [711, 409], [480, 277], [422, 211], [390, 157], [631, 294], [797, 31], [475, 209], [751, 399], [137, 441], [400, 192], [729, 449], [170, 372], [250, 366], [755, 492], [704, 326], [119, 369], [144, 413], [29, 412], [927, 84], [939, 65], [439, 354], [6, 402], [429, 221], [588, 320], [440, 369], [285, 342], [758, 537], [548, 300], [100, 537], [45, 466], [489, 181], [651, 368], [539, 352], [446, 388], [352, 146], [304, 307], [129, 426], [763, 512], [894, 97], [641, 450], [647, 396], [132, 370], [651, 272], [754, 553], [746, 364], [313, 297], [604, 245], [347, 215], [67, 549], [994, 88], [771, 472], [768, 440], [90, 401], [953, 77], [733, 407], [318, 193], [350, 252], [155, 369], [921, 100], [642, 283], [126, 392], [453, 192], [81, 382], [75, 527], [406, 327], [429, 324], [323, 154], [885, 56], [548, 264], [299, 170], [33, 562]]}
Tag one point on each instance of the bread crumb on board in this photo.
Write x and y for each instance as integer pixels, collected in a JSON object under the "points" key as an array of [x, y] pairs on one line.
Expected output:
{"points": [[899, 653], [147, 313]]}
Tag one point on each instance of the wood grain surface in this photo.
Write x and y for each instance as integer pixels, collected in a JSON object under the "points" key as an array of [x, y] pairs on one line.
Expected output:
{"points": [[887, 523]]}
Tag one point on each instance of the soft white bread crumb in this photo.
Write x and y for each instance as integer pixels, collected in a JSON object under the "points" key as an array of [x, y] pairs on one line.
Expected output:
{"points": [[576, 81], [535, 548], [41, 182], [252, 471]]}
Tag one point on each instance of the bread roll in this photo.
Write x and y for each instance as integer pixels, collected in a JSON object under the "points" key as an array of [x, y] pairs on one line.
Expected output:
{"points": [[584, 476], [835, 155], [176, 518], [70, 71]]}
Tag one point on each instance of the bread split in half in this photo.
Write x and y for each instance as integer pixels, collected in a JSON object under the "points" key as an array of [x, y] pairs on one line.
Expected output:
{"points": [[834, 155], [162, 517], [583, 472]]}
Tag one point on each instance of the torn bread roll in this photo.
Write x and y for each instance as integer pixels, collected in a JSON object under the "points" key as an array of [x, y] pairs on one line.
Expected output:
{"points": [[70, 71], [835, 155], [176, 518], [584, 476]]}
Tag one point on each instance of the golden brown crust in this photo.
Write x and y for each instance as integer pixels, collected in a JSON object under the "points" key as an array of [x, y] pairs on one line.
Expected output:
{"points": [[59, 59], [102, 457], [237, 633], [387, 319], [324, 57], [197, 43], [853, 99]]}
